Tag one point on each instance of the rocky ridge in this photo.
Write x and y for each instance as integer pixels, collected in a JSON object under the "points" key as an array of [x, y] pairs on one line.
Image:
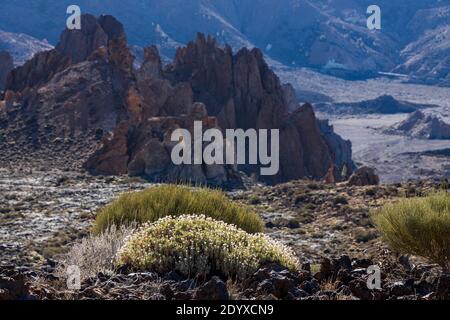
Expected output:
{"points": [[116, 120], [382, 105], [422, 126]]}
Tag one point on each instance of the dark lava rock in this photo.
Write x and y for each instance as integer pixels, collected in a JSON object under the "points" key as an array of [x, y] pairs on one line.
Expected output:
{"points": [[400, 289], [214, 289], [443, 287], [311, 287], [13, 285], [360, 290]]}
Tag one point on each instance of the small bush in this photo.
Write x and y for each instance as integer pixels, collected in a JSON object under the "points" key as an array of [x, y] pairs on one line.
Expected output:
{"points": [[418, 226], [340, 200], [95, 254], [157, 202], [199, 245]]}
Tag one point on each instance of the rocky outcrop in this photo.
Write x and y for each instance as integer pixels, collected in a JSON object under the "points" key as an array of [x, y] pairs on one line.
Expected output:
{"points": [[382, 105], [242, 92], [342, 149], [291, 97], [86, 95], [37, 71], [422, 126], [6, 65], [364, 176], [95, 33]]}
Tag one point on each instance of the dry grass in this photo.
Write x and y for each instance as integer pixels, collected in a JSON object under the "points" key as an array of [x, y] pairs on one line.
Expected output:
{"points": [[418, 226], [174, 200], [95, 254]]}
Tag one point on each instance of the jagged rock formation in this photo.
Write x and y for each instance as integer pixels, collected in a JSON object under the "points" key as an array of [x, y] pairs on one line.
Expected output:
{"points": [[6, 65], [422, 126], [85, 96], [382, 105], [342, 148], [291, 97]]}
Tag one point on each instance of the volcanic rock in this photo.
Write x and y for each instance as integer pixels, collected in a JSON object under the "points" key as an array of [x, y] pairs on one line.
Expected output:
{"points": [[364, 176], [422, 126], [6, 65], [84, 99]]}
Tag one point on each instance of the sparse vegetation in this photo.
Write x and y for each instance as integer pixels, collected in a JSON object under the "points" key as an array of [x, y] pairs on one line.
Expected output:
{"points": [[158, 202], [340, 200], [199, 245], [419, 226], [95, 254]]}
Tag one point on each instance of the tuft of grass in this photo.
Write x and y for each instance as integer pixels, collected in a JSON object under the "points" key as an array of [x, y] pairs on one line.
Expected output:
{"points": [[174, 200], [196, 245], [95, 254], [418, 226]]}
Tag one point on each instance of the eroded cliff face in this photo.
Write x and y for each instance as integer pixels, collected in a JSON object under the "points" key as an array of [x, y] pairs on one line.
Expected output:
{"points": [[6, 65], [85, 97]]}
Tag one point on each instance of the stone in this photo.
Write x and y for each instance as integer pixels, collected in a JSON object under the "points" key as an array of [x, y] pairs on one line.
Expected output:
{"points": [[13, 286], [360, 290], [443, 287], [400, 289], [311, 287], [364, 176], [214, 289]]}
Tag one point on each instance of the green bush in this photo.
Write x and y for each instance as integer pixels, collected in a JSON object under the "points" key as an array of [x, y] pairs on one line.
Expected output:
{"points": [[173, 200], [418, 226], [199, 245]]}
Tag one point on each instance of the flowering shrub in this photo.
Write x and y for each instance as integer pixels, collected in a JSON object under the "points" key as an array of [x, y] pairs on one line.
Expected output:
{"points": [[174, 200], [194, 245]]}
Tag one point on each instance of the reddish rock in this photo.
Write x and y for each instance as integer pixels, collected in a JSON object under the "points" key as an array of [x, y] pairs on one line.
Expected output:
{"points": [[37, 71], [86, 90], [113, 158]]}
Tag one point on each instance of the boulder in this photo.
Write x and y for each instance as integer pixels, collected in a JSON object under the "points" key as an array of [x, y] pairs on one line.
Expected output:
{"points": [[364, 176], [214, 289]]}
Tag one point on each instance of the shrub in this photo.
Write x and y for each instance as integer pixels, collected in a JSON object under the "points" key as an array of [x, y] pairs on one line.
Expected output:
{"points": [[95, 254], [199, 245], [340, 200], [157, 202], [418, 226]]}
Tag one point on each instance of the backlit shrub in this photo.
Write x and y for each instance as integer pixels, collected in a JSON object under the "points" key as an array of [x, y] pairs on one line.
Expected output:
{"points": [[157, 202], [418, 226]]}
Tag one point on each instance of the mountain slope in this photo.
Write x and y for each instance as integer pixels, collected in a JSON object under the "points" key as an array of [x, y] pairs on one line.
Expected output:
{"points": [[22, 47], [329, 35]]}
